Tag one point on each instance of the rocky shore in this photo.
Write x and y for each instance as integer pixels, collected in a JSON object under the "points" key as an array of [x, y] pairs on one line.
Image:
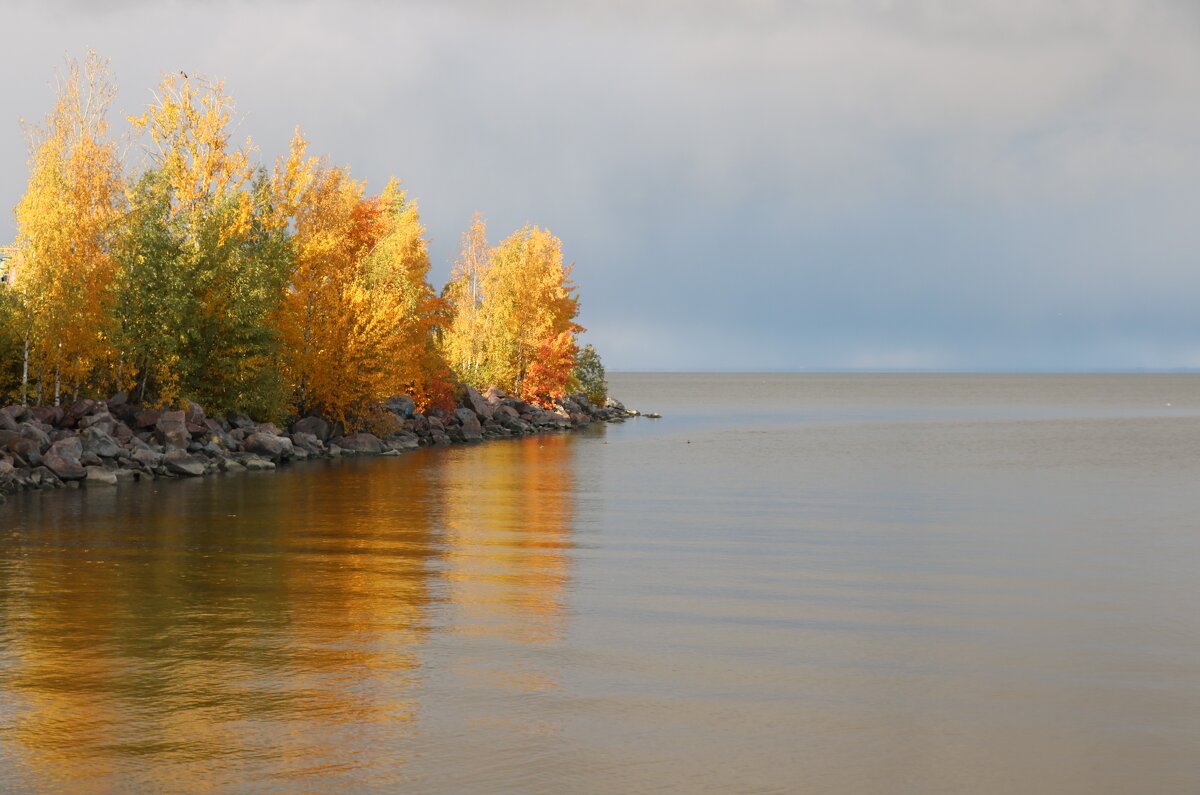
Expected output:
{"points": [[103, 442]]}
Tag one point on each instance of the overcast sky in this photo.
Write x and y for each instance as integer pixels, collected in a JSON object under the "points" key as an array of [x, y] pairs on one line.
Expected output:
{"points": [[1007, 184]]}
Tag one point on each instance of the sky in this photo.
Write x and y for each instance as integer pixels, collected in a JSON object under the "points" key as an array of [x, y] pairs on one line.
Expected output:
{"points": [[755, 185]]}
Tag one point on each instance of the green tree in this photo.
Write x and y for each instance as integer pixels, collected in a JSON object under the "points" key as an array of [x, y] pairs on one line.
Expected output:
{"points": [[589, 372]]}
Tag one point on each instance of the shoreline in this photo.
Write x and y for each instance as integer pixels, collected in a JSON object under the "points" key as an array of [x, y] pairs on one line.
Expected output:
{"points": [[100, 443]]}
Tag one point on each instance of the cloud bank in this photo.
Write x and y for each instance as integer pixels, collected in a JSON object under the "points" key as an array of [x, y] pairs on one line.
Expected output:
{"points": [[800, 185]]}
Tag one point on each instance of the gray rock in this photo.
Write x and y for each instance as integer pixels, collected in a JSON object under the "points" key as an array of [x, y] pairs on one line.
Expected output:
{"points": [[470, 428], [401, 405], [70, 448], [97, 441], [307, 442], [256, 464], [315, 426], [147, 458], [361, 443], [268, 445], [180, 463], [478, 404], [171, 430], [64, 468], [99, 476], [36, 434]]}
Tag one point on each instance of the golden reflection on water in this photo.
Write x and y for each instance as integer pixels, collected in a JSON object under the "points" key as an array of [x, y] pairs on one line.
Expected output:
{"points": [[262, 629]]}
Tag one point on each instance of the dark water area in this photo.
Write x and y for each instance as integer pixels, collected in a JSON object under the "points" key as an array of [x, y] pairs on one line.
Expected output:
{"points": [[790, 583]]}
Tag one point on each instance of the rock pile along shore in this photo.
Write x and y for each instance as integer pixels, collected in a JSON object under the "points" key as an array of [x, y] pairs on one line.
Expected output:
{"points": [[103, 442]]}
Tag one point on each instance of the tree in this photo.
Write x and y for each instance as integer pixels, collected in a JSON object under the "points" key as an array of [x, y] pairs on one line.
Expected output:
{"points": [[528, 315], [463, 341], [589, 372], [66, 224], [206, 259]]}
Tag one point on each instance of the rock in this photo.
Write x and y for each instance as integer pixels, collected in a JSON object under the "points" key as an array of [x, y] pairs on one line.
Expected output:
{"points": [[8, 436], [180, 463], [613, 403], [402, 441], [256, 464], [122, 433], [97, 441], [89, 459], [27, 449], [231, 465], [146, 419], [476, 402], [268, 445], [64, 468], [268, 427], [36, 435], [80, 409], [239, 421], [125, 474], [147, 458], [171, 430], [361, 443], [70, 448], [469, 426], [193, 414], [101, 419], [7, 423], [50, 415], [505, 411], [117, 400], [312, 425], [401, 405], [307, 442], [652, 415], [17, 413], [99, 476]]}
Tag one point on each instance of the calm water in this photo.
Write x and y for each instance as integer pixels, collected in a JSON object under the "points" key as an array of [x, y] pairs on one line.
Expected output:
{"points": [[800, 583]]}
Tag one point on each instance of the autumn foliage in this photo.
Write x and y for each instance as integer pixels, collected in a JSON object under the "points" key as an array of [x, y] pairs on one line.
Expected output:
{"points": [[273, 292]]}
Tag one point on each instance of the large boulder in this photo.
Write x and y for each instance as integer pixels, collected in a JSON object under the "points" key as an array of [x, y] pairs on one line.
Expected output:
{"points": [[99, 476], [7, 423], [97, 441], [100, 419], [361, 443], [268, 445], [171, 430], [8, 436], [478, 404], [468, 425], [401, 405], [64, 468], [145, 420], [148, 459], [312, 425], [307, 442], [69, 447], [179, 462], [49, 415], [36, 435]]}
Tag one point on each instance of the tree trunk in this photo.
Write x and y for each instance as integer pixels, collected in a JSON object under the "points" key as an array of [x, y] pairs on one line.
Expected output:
{"points": [[25, 372]]}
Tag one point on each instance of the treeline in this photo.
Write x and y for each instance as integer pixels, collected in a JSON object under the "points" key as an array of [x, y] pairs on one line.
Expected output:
{"points": [[269, 292]]}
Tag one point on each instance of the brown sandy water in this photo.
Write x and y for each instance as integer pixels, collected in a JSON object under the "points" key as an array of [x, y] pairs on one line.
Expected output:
{"points": [[791, 583]]}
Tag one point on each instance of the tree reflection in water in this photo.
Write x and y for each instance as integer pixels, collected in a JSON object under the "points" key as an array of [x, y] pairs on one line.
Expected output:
{"points": [[268, 627]]}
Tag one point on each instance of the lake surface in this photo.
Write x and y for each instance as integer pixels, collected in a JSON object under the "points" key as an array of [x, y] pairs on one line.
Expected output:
{"points": [[790, 583]]}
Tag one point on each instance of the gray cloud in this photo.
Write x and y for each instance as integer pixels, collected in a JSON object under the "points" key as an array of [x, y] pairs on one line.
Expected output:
{"points": [[802, 184]]}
